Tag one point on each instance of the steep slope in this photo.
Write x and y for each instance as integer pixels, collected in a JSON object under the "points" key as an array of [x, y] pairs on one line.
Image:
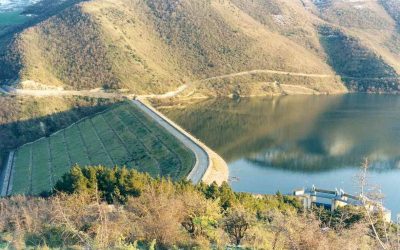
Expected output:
{"points": [[361, 69], [393, 9], [10, 59], [66, 49], [154, 46], [362, 41]]}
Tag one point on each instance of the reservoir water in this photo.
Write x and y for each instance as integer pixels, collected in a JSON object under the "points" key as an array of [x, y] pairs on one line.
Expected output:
{"points": [[284, 143], [10, 12]]}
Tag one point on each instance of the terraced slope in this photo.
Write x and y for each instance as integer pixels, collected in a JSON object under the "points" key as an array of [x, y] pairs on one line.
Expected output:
{"points": [[123, 136]]}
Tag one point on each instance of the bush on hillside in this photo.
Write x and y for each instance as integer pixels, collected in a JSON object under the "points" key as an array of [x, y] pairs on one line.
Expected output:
{"points": [[160, 213]]}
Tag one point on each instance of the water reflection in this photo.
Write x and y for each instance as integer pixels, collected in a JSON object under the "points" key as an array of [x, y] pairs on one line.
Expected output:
{"points": [[289, 142], [300, 133]]}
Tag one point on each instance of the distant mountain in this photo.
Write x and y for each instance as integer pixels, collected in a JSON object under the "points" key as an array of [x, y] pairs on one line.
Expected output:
{"points": [[11, 5], [153, 46]]}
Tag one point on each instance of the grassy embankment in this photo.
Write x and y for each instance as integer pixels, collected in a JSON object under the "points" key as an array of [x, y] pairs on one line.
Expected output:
{"points": [[122, 135], [25, 119]]}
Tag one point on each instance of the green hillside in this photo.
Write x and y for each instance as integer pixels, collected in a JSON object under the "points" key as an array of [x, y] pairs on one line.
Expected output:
{"points": [[360, 68], [361, 39], [393, 8], [26, 119], [122, 136], [154, 46]]}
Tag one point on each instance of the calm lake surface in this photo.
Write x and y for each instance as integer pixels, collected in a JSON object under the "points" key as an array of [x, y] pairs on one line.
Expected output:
{"points": [[10, 12], [283, 143]]}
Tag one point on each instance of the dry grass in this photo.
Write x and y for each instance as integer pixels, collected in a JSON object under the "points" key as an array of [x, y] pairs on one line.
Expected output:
{"points": [[154, 46]]}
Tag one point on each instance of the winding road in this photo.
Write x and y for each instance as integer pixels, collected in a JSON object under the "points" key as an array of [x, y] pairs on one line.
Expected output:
{"points": [[102, 94], [267, 71], [202, 153], [98, 93], [203, 160]]}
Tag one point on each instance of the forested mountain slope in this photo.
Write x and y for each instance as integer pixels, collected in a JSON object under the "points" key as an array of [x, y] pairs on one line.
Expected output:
{"points": [[362, 40], [153, 46]]}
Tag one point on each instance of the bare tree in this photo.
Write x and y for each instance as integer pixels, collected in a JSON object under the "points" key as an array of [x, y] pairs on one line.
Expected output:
{"points": [[369, 200], [237, 222]]}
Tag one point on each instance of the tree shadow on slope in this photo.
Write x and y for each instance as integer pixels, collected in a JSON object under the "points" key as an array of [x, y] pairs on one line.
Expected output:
{"points": [[15, 130], [392, 7], [361, 69]]}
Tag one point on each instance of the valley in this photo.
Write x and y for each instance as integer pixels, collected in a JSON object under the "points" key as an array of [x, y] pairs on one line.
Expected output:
{"points": [[199, 124]]}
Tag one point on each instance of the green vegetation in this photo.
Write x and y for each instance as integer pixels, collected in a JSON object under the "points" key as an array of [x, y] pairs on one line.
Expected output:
{"points": [[154, 46], [355, 15], [70, 60], [24, 169], [361, 69], [264, 84], [24, 120], [350, 58], [10, 60], [393, 8], [117, 208], [122, 135]]}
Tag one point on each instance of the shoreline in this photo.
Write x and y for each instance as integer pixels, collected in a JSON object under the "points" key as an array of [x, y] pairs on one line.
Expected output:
{"points": [[216, 169]]}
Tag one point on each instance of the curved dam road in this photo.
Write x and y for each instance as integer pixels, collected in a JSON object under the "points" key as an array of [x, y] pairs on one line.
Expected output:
{"points": [[203, 161]]}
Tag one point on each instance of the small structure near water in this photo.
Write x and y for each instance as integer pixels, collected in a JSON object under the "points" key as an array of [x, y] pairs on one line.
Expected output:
{"points": [[333, 199]]}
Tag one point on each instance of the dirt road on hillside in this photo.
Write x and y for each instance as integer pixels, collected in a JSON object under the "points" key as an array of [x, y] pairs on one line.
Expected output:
{"points": [[267, 71], [98, 93]]}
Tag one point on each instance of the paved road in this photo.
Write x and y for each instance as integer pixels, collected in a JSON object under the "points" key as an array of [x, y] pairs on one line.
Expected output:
{"points": [[7, 174], [202, 157]]}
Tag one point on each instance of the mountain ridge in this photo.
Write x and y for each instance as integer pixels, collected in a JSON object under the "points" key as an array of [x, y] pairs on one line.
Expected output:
{"points": [[155, 46]]}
